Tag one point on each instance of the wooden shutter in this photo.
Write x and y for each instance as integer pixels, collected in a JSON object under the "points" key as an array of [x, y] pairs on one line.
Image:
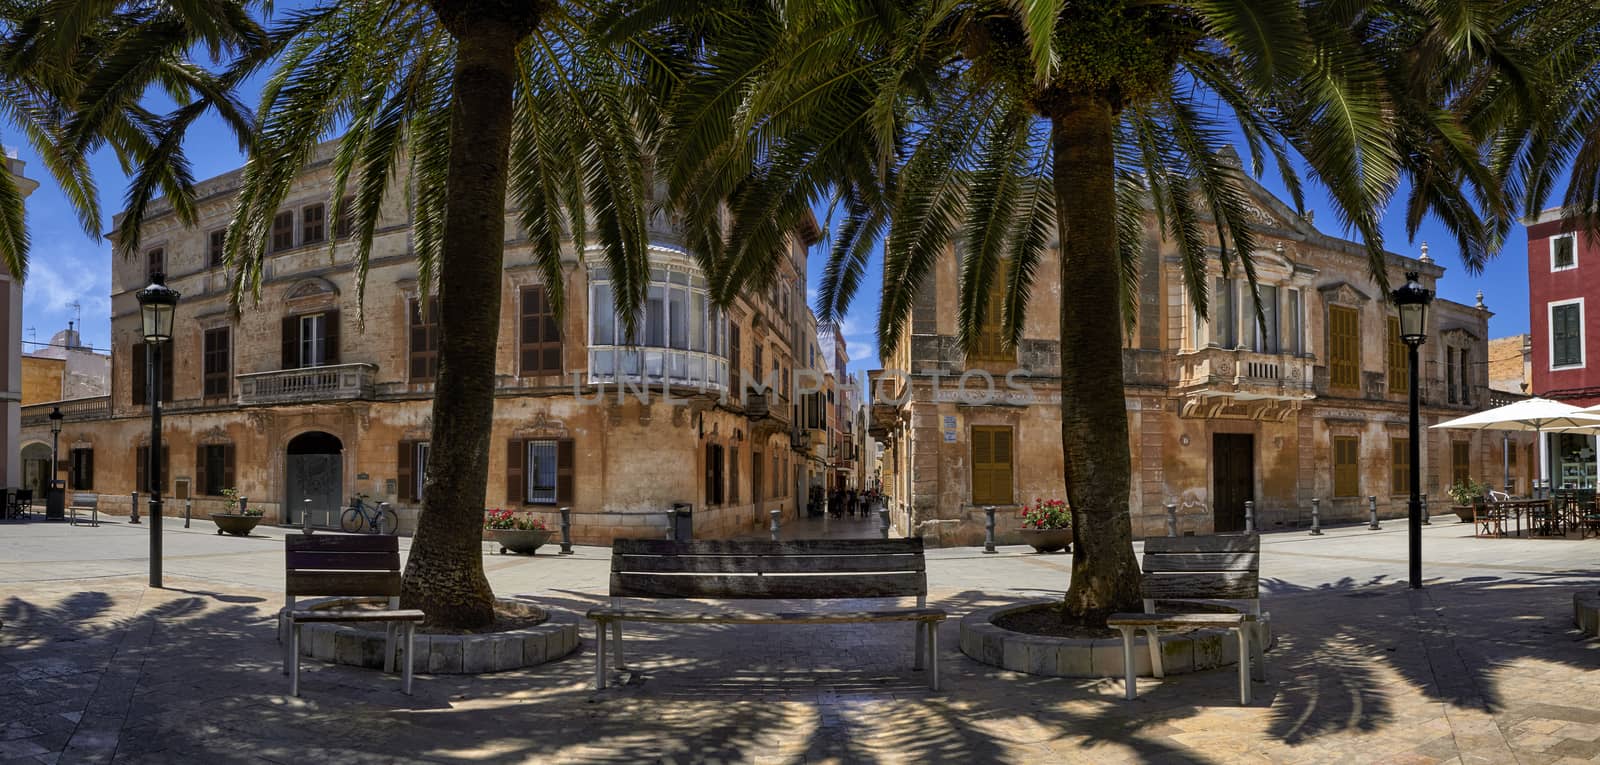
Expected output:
{"points": [[539, 337], [405, 475], [516, 453], [423, 347], [166, 375], [86, 477], [1000, 473], [291, 342], [1399, 364], [1344, 347], [564, 460], [330, 336], [200, 486], [138, 375], [1346, 477], [227, 467], [982, 456]]}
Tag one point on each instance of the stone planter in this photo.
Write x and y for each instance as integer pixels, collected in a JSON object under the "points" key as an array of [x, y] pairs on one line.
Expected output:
{"points": [[519, 541], [1181, 653], [237, 525], [1047, 540], [441, 654], [1464, 512]]}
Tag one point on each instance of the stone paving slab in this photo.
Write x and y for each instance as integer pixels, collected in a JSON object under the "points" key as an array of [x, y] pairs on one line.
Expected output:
{"points": [[1483, 665]]}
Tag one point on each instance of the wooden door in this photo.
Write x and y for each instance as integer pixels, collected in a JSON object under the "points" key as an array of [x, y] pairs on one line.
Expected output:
{"points": [[1232, 478]]}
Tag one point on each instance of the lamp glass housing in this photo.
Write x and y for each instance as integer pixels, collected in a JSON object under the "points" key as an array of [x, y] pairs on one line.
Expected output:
{"points": [[55, 420], [157, 305], [1412, 300]]}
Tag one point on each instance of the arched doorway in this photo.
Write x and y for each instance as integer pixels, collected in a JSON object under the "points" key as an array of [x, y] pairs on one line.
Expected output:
{"points": [[36, 469], [315, 477]]}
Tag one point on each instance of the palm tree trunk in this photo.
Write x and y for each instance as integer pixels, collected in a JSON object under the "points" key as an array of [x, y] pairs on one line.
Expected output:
{"points": [[1094, 419], [444, 573]]}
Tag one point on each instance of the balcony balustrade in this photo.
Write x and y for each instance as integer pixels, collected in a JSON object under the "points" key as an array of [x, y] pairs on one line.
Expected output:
{"points": [[1245, 374], [73, 410], [338, 382]]}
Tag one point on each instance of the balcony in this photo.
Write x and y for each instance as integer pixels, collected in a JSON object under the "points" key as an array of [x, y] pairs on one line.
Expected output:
{"points": [[72, 410], [654, 366], [1245, 375], [339, 382]]}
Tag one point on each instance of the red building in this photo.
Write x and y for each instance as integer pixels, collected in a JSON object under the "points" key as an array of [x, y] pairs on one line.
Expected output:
{"points": [[1564, 300]]}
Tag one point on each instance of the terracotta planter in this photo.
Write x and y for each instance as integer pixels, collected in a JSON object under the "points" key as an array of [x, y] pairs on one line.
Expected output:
{"points": [[237, 525], [520, 541], [1464, 512], [1048, 540]]}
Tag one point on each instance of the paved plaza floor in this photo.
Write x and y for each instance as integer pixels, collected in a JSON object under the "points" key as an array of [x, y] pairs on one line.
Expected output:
{"points": [[1481, 666]]}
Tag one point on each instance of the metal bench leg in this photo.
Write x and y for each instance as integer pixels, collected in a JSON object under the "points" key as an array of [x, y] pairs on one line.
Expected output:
{"points": [[1128, 681], [1155, 653], [388, 647], [406, 669], [599, 656], [922, 645], [1258, 647], [1244, 663], [616, 648], [933, 656], [294, 658], [283, 639]]}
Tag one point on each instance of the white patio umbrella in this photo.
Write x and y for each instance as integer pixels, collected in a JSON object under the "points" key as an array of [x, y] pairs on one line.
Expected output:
{"points": [[1534, 414]]}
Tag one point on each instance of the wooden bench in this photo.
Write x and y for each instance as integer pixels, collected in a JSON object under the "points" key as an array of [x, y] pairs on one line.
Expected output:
{"points": [[813, 569], [1198, 569], [353, 566], [90, 502]]}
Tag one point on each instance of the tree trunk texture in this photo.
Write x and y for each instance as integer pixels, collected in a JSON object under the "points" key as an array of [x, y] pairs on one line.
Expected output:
{"points": [[444, 572], [1094, 417]]}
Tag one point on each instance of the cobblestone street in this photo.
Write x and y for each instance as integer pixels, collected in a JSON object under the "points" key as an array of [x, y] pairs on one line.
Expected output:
{"points": [[1483, 666]]}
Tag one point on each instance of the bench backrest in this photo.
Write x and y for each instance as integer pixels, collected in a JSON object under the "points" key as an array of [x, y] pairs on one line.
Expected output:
{"points": [[86, 501], [804, 568], [354, 565], [1202, 568]]}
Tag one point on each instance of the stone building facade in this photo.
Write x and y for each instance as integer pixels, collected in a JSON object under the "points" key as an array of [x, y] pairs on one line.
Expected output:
{"points": [[307, 397], [1308, 405]]}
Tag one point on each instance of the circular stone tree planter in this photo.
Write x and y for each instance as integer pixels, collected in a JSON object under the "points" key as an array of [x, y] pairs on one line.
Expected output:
{"points": [[1181, 653], [1586, 613], [519, 541], [442, 654]]}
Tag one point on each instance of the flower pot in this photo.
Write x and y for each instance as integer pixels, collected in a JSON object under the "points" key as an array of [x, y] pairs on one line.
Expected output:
{"points": [[1464, 512], [1048, 540], [237, 525], [520, 541]]}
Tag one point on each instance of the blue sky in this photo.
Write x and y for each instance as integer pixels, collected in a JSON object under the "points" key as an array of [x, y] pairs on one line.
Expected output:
{"points": [[69, 266]]}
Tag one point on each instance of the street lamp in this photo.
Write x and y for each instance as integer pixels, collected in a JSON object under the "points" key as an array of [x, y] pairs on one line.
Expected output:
{"points": [[55, 455], [157, 304], [1412, 300]]}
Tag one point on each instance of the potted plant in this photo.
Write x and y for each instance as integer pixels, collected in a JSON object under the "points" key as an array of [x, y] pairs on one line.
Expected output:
{"points": [[1047, 525], [240, 519], [521, 534], [1467, 495]]}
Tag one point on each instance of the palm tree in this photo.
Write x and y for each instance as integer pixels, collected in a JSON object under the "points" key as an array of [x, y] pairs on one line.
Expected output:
{"points": [[473, 99], [1012, 124]]}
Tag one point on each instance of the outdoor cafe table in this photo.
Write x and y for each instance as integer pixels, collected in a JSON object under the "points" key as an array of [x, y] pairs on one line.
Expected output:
{"points": [[1500, 512]]}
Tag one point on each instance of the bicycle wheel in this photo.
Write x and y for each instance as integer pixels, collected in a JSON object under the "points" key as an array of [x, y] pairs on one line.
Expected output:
{"points": [[352, 520], [390, 521]]}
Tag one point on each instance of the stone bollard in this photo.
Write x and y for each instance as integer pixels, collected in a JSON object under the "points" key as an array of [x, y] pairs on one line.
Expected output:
{"points": [[134, 513], [1172, 519], [777, 517], [671, 519], [566, 531], [988, 530], [187, 509], [1426, 521], [883, 522], [1372, 507], [1249, 516], [1316, 516], [305, 517]]}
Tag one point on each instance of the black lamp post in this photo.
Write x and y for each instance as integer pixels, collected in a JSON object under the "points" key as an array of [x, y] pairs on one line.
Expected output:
{"points": [[157, 304], [55, 445], [1412, 299]]}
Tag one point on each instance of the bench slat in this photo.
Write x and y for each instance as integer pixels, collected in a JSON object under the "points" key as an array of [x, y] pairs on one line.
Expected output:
{"points": [[342, 542], [343, 561], [351, 583], [1214, 544], [1174, 620], [337, 615], [625, 585], [765, 564], [1219, 561], [734, 616], [764, 547], [1228, 585]]}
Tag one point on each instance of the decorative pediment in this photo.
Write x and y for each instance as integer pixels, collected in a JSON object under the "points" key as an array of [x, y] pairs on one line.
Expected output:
{"points": [[1343, 292], [542, 425], [1229, 408], [1459, 333], [312, 287], [213, 436]]}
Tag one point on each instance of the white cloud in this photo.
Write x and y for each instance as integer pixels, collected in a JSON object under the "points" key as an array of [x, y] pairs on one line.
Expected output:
{"points": [[59, 276]]}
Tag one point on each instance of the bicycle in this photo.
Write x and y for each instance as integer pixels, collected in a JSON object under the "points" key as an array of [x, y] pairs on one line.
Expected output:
{"points": [[378, 518]]}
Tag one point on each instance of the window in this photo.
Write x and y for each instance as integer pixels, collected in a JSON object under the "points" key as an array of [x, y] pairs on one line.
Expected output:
{"points": [[1296, 344], [1566, 334], [283, 231], [679, 335], [734, 357], [423, 348], [1563, 252], [413, 469], [155, 262], [1466, 376], [776, 489], [1346, 466], [142, 468], [80, 475], [215, 363], [540, 349], [1460, 461], [991, 465], [313, 224], [1344, 347], [1399, 364], [345, 225], [539, 471], [311, 340], [213, 469], [1266, 340], [1227, 324], [713, 474], [140, 376], [1399, 465], [990, 345], [1451, 374], [733, 475], [217, 250]]}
